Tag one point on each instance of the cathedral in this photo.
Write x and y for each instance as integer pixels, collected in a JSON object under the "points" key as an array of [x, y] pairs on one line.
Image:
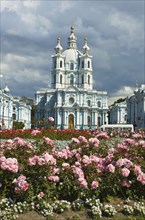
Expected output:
{"points": [[71, 100]]}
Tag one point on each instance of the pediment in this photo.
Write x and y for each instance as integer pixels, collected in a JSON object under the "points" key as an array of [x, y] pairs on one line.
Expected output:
{"points": [[72, 88], [75, 105]]}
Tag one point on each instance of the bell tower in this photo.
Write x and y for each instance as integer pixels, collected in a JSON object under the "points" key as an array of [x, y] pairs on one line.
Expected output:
{"points": [[86, 72], [58, 66]]}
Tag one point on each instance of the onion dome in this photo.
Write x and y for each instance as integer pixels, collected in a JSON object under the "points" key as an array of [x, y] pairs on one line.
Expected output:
{"points": [[85, 47], [72, 39], [58, 48], [6, 89]]}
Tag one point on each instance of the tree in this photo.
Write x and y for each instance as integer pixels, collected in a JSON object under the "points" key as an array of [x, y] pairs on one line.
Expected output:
{"points": [[18, 125]]}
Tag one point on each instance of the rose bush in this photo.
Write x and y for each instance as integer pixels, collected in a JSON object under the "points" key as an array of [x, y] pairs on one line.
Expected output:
{"points": [[89, 166]]}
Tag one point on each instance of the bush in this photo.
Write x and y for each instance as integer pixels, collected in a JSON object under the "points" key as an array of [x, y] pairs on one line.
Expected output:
{"points": [[18, 125], [95, 168]]}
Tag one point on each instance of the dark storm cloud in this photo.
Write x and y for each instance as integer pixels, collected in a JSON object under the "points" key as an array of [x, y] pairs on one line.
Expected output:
{"points": [[115, 31]]}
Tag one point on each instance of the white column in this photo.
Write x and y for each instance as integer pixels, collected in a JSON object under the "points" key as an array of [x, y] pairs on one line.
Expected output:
{"points": [[78, 117], [59, 117], [103, 118], [85, 118]]}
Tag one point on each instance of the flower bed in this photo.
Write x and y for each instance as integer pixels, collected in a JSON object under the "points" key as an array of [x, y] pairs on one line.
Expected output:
{"points": [[38, 134], [86, 174], [57, 134]]}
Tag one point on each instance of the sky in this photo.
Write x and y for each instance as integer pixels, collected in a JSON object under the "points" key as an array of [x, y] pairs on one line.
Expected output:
{"points": [[115, 32]]}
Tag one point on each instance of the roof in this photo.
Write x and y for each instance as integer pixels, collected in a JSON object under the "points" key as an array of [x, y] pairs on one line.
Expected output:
{"points": [[71, 55]]}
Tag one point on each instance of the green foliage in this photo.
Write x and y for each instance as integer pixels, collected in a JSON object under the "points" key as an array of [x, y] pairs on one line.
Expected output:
{"points": [[18, 125], [118, 101]]}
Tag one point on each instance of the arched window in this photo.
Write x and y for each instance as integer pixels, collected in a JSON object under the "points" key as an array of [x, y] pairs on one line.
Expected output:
{"points": [[89, 121], [14, 116], [88, 79], [99, 121], [88, 64], [82, 64], [89, 103], [60, 79], [82, 79], [55, 64], [99, 104], [54, 78], [61, 64], [71, 121], [125, 117], [72, 66], [71, 80]]}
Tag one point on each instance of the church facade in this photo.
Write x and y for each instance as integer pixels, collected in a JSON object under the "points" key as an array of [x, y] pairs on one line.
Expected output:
{"points": [[71, 100], [118, 113], [136, 108]]}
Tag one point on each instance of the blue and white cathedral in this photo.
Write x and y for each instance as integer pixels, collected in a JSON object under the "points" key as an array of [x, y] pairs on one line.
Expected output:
{"points": [[71, 100]]}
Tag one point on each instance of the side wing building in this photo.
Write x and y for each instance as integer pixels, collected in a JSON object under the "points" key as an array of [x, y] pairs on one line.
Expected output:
{"points": [[13, 109]]}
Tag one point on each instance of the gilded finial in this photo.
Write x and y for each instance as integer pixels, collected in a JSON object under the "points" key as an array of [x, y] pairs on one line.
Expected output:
{"points": [[72, 28], [58, 38], [6, 83], [136, 84], [85, 38]]}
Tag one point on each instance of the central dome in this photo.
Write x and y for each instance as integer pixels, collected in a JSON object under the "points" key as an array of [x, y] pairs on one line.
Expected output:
{"points": [[71, 55]]}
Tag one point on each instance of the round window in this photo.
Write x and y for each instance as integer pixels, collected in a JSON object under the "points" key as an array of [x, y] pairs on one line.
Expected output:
{"points": [[71, 100]]}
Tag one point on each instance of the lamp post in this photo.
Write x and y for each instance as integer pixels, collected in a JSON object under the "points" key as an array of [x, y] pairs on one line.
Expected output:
{"points": [[134, 114], [3, 112], [1, 81]]}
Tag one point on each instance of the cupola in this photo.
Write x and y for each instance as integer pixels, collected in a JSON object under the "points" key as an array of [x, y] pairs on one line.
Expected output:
{"points": [[6, 89], [85, 47], [72, 40], [58, 48]]}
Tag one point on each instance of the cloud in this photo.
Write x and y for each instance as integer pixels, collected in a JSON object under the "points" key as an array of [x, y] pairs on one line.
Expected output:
{"points": [[115, 31], [36, 22], [18, 6], [122, 93], [64, 6], [130, 33], [123, 22], [102, 59]]}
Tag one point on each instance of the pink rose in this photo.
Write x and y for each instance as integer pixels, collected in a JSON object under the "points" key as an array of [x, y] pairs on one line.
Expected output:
{"points": [[110, 168], [94, 141], [83, 182], [137, 170], [65, 166], [120, 162], [136, 136], [86, 160], [125, 172], [54, 179], [83, 139], [41, 161], [34, 132], [48, 141], [141, 178], [51, 119], [75, 140], [56, 171], [33, 160], [126, 184], [94, 185], [40, 195], [10, 164], [21, 183]]}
